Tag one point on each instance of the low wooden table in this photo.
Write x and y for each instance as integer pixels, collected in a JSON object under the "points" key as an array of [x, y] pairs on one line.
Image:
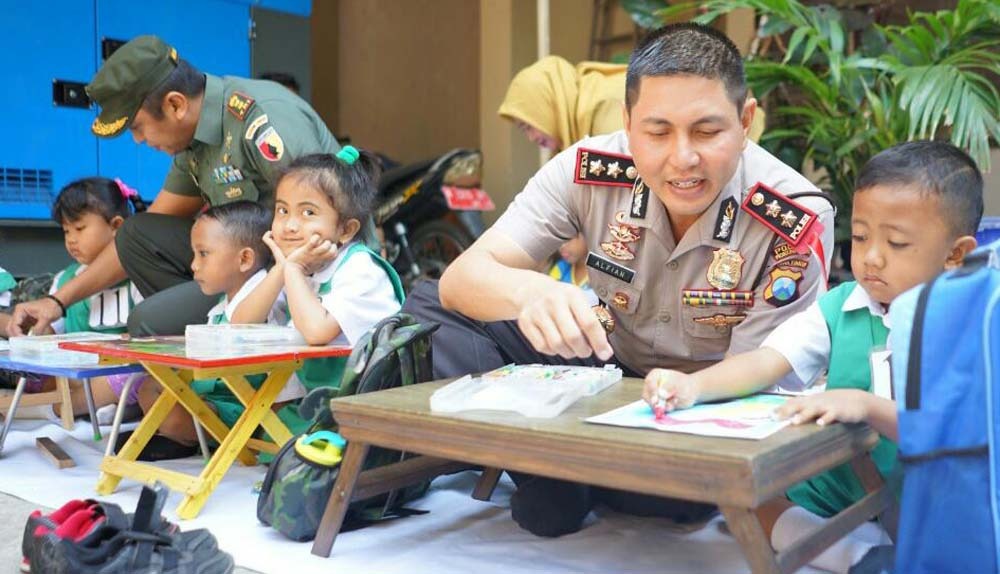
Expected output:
{"points": [[167, 361], [737, 475]]}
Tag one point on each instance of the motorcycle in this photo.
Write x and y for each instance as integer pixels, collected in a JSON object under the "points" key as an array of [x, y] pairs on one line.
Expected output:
{"points": [[431, 211]]}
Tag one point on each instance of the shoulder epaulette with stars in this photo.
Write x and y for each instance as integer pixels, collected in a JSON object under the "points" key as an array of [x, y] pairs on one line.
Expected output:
{"points": [[789, 219], [595, 167]]}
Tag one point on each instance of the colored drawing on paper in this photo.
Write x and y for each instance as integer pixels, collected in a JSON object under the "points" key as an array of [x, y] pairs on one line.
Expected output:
{"points": [[749, 417]]}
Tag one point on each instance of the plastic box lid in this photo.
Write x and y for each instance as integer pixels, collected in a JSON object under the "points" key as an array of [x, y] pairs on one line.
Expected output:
{"points": [[45, 349], [232, 338]]}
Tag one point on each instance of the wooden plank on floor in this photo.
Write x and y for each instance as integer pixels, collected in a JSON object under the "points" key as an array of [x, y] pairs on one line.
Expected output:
{"points": [[54, 452]]}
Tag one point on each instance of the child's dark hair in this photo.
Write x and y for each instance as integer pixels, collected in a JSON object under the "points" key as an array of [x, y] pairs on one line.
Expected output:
{"points": [[100, 195], [245, 223], [933, 167], [350, 187]]}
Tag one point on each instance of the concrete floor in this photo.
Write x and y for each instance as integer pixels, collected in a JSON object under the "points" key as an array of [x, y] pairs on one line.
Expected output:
{"points": [[13, 513]]}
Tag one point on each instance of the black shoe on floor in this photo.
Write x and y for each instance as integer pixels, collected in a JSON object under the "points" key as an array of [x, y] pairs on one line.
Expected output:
{"points": [[145, 544], [158, 448]]}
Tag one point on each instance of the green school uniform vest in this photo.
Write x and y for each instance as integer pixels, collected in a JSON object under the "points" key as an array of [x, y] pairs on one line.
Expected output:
{"points": [[105, 312], [853, 336], [225, 403], [328, 372], [7, 281]]}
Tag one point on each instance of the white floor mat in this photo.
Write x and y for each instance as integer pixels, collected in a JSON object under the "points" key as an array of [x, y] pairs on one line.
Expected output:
{"points": [[459, 534]]}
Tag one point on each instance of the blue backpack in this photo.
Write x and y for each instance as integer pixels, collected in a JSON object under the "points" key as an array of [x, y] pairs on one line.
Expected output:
{"points": [[945, 372]]}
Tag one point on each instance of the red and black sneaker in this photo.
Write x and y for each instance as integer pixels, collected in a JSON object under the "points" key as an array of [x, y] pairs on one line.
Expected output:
{"points": [[38, 524], [143, 543], [85, 527]]}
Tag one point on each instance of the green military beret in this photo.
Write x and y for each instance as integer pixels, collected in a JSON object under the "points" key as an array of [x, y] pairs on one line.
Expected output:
{"points": [[125, 79]]}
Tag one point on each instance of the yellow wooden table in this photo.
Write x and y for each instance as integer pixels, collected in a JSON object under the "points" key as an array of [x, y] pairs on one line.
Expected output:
{"points": [[167, 361]]}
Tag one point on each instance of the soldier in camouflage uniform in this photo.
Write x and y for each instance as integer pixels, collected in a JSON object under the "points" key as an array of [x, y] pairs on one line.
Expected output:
{"points": [[229, 138]]}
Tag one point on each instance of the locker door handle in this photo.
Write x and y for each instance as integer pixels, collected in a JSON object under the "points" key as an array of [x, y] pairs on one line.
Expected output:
{"points": [[69, 94], [109, 45]]}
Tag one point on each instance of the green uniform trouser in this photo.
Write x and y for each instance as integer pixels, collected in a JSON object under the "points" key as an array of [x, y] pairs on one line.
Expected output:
{"points": [[155, 250], [230, 409]]}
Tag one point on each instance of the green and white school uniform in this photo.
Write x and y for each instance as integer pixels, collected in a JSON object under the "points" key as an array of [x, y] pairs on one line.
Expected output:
{"points": [[214, 391], [358, 289], [105, 312], [837, 333], [7, 284]]}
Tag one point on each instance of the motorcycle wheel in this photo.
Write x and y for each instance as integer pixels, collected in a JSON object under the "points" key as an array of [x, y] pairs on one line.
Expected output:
{"points": [[436, 244]]}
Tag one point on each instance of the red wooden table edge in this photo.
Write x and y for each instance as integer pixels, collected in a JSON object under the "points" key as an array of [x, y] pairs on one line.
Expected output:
{"points": [[303, 353]]}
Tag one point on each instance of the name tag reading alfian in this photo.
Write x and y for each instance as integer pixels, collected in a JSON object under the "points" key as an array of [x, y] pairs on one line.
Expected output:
{"points": [[881, 372], [609, 267]]}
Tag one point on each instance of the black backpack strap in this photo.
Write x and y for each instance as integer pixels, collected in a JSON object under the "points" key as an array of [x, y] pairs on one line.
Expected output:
{"points": [[915, 359]]}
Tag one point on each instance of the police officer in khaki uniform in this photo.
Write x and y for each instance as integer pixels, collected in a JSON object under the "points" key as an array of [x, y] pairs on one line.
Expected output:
{"points": [[229, 138], [700, 243]]}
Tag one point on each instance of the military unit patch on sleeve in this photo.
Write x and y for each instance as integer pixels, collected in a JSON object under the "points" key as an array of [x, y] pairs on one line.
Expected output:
{"points": [[270, 144], [789, 219], [783, 286], [595, 167], [239, 104]]}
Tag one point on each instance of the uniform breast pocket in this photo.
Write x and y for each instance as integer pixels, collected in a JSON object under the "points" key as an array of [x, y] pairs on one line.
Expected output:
{"points": [[621, 298], [711, 322]]}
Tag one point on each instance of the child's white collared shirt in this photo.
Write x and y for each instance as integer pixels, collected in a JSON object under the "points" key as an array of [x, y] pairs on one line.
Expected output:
{"points": [[804, 338], [225, 308], [223, 312], [360, 294]]}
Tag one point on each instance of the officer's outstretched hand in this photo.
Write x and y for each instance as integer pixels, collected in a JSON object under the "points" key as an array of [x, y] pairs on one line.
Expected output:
{"points": [[560, 322], [34, 316], [671, 389]]}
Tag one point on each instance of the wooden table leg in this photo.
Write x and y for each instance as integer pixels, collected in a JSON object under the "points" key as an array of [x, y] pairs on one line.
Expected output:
{"points": [[868, 474], [487, 483], [66, 402], [178, 384], [340, 498], [151, 421], [235, 442], [745, 526], [276, 429]]}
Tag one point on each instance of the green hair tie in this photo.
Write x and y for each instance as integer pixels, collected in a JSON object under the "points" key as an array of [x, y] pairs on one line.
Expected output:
{"points": [[348, 154]]}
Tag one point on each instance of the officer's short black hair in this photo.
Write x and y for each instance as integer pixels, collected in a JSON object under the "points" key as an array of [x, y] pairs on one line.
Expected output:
{"points": [[282, 78], [245, 223], [98, 195], [687, 49], [933, 167], [351, 188], [185, 79]]}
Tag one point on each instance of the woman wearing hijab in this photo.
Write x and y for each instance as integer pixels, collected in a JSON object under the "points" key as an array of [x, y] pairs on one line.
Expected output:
{"points": [[557, 104]]}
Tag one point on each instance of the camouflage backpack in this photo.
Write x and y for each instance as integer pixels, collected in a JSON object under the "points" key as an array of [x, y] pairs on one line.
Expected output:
{"points": [[395, 352]]}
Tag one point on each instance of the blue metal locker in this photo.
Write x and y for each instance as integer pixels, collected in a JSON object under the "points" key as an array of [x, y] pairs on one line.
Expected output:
{"points": [[46, 145]]}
